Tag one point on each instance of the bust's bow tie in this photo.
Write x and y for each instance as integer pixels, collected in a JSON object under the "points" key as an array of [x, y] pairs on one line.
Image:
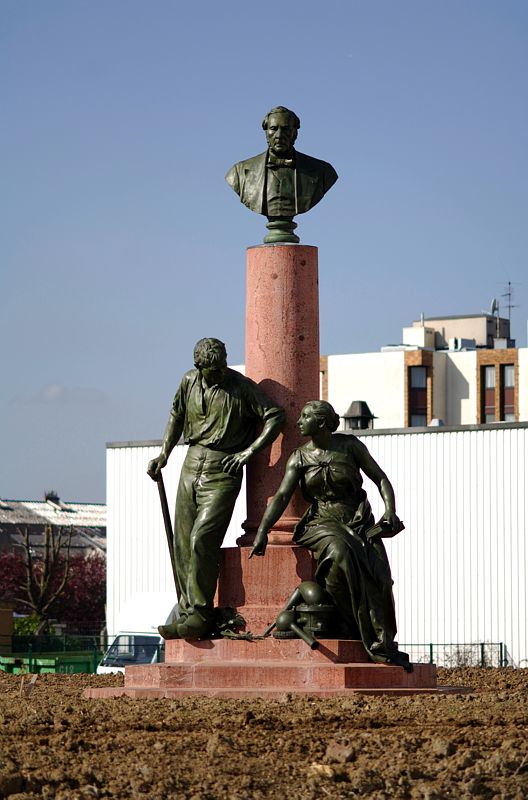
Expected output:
{"points": [[273, 161]]}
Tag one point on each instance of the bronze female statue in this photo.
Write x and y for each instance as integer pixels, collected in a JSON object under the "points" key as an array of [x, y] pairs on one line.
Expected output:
{"points": [[340, 530]]}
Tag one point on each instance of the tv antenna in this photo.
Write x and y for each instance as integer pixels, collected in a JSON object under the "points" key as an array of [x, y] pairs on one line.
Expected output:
{"points": [[508, 294]]}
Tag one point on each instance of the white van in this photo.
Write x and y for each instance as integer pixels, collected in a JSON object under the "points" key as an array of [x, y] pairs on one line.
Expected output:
{"points": [[138, 640]]}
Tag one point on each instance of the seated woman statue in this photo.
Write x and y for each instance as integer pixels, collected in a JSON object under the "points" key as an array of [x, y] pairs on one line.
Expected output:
{"points": [[340, 530]]}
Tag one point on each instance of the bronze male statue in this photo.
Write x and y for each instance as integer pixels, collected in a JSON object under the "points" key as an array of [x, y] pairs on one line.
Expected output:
{"points": [[217, 410], [281, 182]]}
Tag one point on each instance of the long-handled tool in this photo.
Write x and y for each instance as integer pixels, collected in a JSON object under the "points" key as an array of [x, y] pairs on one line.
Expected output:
{"points": [[168, 527]]}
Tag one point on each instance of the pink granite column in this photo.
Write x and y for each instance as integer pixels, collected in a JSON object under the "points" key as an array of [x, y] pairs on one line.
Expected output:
{"points": [[282, 356]]}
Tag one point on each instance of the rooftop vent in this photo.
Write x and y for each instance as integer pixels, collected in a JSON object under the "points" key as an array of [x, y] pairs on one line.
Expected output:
{"points": [[52, 498], [358, 417]]}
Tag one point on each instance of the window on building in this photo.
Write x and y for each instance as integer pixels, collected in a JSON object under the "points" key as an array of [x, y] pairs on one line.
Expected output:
{"points": [[417, 396], [508, 393], [488, 393]]}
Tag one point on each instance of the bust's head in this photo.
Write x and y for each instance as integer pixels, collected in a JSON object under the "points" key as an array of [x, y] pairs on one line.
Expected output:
{"points": [[281, 126]]}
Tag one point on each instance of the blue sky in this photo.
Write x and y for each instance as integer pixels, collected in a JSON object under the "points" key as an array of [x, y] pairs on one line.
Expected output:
{"points": [[122, 244]]}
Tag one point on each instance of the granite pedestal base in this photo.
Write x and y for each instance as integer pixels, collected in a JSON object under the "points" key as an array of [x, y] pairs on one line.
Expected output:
{"points": [[259, 588], [270, 668]]}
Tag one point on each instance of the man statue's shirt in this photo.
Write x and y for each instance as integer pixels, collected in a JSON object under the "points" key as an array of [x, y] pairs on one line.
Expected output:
{"points": [[221, 417]]}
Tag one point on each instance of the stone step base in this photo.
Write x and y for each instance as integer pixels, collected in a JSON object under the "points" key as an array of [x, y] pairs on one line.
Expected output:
{"points": [[270, 668], [144, 693], [294, 675]]}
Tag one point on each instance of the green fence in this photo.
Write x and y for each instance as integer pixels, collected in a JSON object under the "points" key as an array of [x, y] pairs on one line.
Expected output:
{"points": [[63, 643], [58, 654], [474, 654], [70, 654]]}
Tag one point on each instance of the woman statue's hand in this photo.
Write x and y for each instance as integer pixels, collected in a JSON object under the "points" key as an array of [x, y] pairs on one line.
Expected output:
{"points": [[260, 543], [392, 521]]}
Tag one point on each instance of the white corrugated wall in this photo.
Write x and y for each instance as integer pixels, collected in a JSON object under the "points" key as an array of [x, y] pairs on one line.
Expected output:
{"points": [[459, 567], [138, 559]]}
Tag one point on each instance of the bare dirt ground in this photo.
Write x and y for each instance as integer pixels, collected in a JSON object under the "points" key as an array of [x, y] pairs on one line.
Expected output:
{"points": [[54, 744]]}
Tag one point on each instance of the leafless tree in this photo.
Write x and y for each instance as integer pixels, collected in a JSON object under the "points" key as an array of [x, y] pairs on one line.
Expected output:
{"points": [[45, 577]]}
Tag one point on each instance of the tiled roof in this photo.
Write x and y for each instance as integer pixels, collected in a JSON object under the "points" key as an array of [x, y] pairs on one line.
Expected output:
{"points": [[88, 521], [83, 515]]}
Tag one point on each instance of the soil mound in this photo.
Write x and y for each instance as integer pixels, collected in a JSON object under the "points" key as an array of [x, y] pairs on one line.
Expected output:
{"points": [[55, 744]]}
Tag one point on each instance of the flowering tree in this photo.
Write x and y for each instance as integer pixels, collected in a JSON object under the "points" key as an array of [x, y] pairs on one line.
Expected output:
{"points": [[70, 589], [46, 577], [84, 596], [12, 576]]}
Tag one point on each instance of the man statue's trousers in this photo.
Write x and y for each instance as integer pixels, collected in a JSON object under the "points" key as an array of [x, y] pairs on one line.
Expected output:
{"points": [[204, 506]]}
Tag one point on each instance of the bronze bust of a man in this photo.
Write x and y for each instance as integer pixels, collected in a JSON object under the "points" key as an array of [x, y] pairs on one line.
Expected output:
{"points": [[281, 182]]}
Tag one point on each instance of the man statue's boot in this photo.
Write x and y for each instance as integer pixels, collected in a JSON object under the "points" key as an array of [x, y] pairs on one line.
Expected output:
{"points": [[169, 631], [195, 627]]}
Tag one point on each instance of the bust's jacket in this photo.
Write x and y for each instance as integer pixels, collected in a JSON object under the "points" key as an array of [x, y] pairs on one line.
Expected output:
{"points": [[313, 179]]}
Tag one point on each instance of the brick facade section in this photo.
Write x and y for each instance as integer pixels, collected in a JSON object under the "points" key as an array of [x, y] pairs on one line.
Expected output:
{"points": [[323, 367], [418, 358], [497, 358]]}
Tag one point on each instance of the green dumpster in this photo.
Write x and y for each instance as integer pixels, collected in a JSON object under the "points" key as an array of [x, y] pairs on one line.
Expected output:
{"points": [[58, 663]]}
